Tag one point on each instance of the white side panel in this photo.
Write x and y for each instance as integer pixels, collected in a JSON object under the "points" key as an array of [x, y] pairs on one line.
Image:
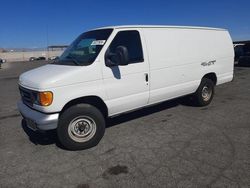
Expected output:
{"points": [[176, 55], [224, 54]]}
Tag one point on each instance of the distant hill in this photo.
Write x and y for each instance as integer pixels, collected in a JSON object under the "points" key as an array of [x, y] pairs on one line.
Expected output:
{"points": [[31, 49], [24, 49]]}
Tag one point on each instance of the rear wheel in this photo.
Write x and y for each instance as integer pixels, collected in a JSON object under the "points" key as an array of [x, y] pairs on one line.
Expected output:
{"points": [[81, 127], [205, 92]]}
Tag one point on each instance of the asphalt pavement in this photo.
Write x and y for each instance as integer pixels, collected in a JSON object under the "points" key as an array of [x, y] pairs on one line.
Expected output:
{"points": [[171, 144]]}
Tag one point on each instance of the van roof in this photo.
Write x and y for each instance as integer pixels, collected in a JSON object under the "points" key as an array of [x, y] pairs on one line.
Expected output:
{"points": [[161, 26]]}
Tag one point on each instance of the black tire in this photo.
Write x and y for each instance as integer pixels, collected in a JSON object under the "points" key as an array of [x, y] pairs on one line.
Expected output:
{"points": [[65, 132], [198, 97]]}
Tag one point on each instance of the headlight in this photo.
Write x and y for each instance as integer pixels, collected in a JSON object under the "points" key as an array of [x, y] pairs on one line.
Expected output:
{"points": [[45, 98], [30, 97]]}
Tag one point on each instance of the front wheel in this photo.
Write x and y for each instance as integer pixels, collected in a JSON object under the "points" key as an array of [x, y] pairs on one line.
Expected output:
{"points": [[205, 92], [80, 127]]}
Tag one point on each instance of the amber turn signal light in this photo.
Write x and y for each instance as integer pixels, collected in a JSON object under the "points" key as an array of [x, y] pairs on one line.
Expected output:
{"points": [[45, 98]]}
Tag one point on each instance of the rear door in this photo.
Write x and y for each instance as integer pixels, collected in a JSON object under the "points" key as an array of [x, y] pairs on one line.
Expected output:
{"points": [[127, 86]]}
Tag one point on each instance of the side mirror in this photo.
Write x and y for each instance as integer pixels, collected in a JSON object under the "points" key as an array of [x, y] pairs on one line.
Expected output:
{"points": [[110, 59], [120, 57]]}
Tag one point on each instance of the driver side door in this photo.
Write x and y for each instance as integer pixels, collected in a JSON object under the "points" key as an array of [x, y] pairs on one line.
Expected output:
{"points": [[127, 86]]}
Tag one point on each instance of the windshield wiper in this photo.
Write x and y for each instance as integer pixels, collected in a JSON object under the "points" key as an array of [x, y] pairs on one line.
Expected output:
{"points": [[74, 60]]}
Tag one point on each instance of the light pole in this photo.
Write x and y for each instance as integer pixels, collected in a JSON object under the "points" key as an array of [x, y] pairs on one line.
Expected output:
{"points": [[47, 38]]}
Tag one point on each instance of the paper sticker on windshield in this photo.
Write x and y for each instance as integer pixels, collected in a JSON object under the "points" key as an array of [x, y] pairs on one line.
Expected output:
{"points": [[98, 42]]}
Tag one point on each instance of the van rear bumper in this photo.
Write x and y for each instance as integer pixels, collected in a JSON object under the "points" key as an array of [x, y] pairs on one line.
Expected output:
{"points": [[36, 120]]}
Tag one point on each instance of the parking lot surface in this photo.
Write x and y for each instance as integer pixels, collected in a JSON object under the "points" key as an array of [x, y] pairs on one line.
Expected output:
{"points": [[168, 145]]}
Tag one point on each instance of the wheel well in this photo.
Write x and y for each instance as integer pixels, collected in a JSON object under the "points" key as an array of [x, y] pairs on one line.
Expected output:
{"points": [[212, 76], [93, 100]]}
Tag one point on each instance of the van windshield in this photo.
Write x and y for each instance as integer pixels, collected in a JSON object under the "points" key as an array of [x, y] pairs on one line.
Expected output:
{"points": [[84, 50]]}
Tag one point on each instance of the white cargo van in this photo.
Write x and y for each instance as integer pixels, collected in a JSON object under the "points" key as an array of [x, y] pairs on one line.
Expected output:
{"points": [[112, 70]]}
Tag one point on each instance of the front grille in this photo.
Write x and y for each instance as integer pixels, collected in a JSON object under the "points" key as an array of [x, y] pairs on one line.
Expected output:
{"points": [[27, 96]]}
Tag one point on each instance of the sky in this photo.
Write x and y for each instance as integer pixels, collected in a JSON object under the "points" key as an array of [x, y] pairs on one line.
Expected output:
{"points": [[38, 23]]}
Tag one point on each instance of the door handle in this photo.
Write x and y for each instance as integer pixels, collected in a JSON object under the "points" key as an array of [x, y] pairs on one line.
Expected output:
{"points": [[146, 77]]}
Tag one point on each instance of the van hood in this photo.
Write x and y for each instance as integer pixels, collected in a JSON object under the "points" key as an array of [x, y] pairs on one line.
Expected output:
{"points": [[51, 76]]}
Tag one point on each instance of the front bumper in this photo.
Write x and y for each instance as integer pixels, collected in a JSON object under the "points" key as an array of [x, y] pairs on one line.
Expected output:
{"points": [[36, 120]]}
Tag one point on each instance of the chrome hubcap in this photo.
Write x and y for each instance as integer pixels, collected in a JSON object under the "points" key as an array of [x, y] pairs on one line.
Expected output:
{"points": [[206, 93], [82, 129]]}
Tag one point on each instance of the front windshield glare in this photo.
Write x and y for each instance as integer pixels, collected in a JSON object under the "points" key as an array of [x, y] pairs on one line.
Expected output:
{"points": [[84, 50]]}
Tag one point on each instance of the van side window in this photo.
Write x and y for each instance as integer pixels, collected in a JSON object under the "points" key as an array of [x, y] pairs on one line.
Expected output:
{"points": [[131, 40]]}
